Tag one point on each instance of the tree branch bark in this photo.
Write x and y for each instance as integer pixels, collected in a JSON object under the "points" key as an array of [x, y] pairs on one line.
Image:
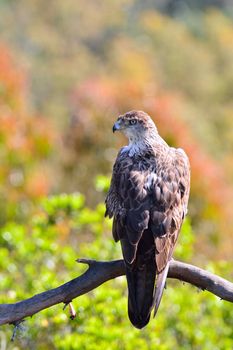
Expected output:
{"points": [[100, 272]]}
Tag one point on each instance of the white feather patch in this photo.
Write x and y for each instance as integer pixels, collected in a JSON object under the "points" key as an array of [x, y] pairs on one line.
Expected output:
{"points": [[151, 180]]}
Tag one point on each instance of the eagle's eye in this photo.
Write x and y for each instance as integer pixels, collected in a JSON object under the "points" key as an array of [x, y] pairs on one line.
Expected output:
{"points": [[132, 122]]}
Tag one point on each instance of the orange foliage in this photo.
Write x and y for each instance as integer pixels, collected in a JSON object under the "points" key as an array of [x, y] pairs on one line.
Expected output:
{"points": [[103, 99], [12, 82], [38, 184], [25, 139]]}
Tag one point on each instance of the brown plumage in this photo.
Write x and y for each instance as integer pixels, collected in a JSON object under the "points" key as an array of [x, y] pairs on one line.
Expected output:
{"points": [[148, 200]]}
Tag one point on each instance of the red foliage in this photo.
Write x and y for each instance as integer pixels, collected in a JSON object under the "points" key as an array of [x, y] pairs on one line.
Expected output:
{"points": [[25, 139], [211, 194]]}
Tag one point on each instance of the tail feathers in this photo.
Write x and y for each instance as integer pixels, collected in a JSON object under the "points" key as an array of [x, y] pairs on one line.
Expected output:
{"points": [[160, 284], [141, 281], [143, 295]]}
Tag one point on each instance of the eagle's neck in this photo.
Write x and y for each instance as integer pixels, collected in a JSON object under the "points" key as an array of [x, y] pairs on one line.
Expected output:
{"points": [[139, 145]]}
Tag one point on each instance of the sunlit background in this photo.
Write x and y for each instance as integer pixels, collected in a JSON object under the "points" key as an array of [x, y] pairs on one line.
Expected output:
{"points": [[67, 70]]}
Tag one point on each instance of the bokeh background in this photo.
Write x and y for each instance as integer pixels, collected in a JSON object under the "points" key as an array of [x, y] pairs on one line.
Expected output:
{"points": [[67, 70]]}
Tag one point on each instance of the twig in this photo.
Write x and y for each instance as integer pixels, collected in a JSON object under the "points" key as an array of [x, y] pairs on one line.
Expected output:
{"points": [[99, 272]]}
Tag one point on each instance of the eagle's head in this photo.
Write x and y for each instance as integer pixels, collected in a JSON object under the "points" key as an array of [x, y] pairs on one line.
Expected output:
{"points": [[136, 125]]}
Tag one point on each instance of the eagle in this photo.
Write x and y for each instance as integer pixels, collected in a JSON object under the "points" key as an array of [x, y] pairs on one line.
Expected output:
{"points": [[148, 199]]}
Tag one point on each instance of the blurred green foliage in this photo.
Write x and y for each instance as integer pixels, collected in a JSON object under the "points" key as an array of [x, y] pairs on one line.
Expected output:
{"points": [[42, 255], [82, 66], [66, 71]]}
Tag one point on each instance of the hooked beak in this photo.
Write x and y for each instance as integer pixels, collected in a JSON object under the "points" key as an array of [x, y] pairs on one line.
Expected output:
{"points": [[116, 127]]}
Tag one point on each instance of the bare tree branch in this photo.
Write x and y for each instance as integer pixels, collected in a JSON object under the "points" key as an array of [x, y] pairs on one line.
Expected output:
{"points": [[100, 272]]}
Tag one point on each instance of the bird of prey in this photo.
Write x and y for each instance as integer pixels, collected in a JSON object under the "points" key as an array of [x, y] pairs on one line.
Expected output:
{"points": [[148, 200]]}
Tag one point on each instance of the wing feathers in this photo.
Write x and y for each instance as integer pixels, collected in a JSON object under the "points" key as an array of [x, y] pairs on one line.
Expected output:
{"points": [[160, 284], [128, 250], [148, 198]]}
